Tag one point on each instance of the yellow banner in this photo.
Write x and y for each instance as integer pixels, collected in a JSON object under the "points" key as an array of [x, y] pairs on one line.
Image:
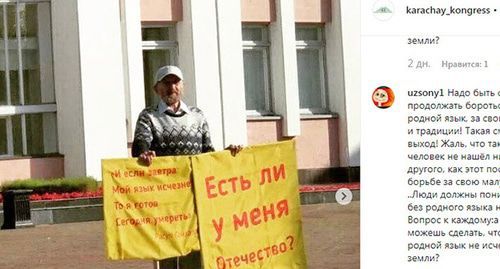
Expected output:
{"points": [[249, 208], [149, 211]]}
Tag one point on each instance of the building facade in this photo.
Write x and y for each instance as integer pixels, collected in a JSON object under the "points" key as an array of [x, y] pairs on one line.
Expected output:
{"points": [[74, 75]]}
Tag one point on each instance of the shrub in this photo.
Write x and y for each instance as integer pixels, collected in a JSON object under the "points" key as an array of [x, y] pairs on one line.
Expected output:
{"points": [[55, 185]]}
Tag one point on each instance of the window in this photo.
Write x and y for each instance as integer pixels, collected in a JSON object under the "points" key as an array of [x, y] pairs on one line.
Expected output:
{"points": [[256, 68], [311, 69], [28, 124], [159, 48]]}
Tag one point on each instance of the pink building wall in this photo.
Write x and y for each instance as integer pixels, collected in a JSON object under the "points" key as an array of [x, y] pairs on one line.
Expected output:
{"points": [[264, 131], [160, 11], [260, 11], [313, 11], [22, 168], [317, 146]]}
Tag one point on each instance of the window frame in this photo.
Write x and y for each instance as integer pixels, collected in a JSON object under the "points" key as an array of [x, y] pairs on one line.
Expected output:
{"points": [[170, 45], [264, 46], [320, 46], [9, 110]]}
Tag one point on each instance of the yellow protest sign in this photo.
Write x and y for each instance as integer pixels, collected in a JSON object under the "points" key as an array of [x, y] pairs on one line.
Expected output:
{"points": [[149, 211], [249, 208]]}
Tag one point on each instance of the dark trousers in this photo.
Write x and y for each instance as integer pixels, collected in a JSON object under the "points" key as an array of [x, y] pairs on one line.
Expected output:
{"points": [[190, 261]]}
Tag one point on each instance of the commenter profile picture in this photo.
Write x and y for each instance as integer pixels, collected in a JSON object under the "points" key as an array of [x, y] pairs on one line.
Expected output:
{"points": [[383, 10], [383, 97]]}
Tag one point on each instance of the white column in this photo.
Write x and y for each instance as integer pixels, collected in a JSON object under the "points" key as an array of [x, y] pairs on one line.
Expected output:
{"points": [[231, 72], [284, 67], [199, 61], [67, 85], [133, 65], [89, 84], [102, 79], [352, 60], [343, 54]]}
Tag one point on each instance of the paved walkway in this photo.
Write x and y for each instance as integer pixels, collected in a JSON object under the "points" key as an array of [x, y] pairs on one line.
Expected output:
{"points": [[331, 234]]}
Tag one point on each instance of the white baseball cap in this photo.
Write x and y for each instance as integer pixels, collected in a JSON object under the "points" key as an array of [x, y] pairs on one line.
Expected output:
{"points": [[168, 70]]}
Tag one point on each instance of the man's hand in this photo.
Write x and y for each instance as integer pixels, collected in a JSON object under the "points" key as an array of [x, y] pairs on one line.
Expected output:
{"points": [[234, 149], [146, 157]]}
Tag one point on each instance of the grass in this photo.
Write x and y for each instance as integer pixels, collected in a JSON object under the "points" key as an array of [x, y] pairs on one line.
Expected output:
{"points": [[55, 185]]}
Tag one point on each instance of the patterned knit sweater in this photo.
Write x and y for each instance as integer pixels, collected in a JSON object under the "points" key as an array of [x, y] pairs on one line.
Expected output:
{"points": [[171, 134]]}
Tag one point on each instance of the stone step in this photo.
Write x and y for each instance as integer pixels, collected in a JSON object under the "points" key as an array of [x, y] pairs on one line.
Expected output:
{"points": [[329, 187], [325, 193]]}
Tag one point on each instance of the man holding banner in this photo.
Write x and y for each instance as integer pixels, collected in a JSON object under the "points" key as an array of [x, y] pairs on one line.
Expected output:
{"points": [[172, 128], [250, 200]]}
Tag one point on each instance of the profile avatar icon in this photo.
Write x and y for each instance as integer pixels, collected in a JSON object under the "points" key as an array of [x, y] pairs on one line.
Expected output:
{"points": [[383, 10], [383, 97]]}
